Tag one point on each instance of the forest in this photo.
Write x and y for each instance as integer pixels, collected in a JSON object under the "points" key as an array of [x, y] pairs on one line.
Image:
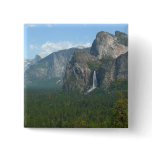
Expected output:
{"points": [[56, 108]]}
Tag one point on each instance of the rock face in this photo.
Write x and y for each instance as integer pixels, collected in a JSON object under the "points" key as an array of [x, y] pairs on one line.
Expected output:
{"points": [[79, 72], [108, 57], [122, 38], [121, 65], [52, 66], [109, 45], [77, 76], [112, 70]]}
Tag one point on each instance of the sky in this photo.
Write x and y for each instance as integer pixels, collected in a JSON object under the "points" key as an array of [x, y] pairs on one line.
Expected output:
{"points": [[43, 39]]}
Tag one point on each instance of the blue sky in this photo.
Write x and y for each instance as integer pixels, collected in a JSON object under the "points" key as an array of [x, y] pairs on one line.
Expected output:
{"points": [[44, 39]]}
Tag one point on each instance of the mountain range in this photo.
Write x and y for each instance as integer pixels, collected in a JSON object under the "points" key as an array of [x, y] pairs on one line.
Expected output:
{"points": [[51, 67], [73, 68]]}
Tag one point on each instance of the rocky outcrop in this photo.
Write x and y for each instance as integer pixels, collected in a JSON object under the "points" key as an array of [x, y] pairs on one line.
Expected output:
{"points": [[106, 73], [77, 76], [122, 38], [79, 71], [113, 70], [109, 45], [121, 67]]}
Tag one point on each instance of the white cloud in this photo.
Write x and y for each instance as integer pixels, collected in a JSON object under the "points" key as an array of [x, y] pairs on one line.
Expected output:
{"points": [[34, 47], [87, 44], [49, 47]]}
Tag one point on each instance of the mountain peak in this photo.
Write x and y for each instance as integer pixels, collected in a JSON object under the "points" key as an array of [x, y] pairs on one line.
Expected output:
{"points": [[103, 34], [122, 38], [109, 45]]}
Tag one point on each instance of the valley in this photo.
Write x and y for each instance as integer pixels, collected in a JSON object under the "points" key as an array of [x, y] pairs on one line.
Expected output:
{"points": [[80, 87]]}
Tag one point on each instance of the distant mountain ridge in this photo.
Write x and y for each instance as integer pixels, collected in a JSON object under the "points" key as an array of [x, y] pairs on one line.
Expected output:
{"points": [[51, 66], [29, 62]]}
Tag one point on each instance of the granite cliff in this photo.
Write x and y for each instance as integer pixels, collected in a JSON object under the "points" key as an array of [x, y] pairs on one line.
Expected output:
{"points": [[78, 73], [109, 45], [108, 57]]}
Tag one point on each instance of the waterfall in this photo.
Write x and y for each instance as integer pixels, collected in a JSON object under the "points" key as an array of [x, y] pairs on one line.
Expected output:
{"points": [[94, 82]]}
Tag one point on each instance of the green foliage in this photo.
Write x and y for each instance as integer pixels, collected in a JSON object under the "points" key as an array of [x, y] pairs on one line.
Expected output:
{"points": [[53, 83], [71, 78], [94, 66], [120, 87], [120, 108], [56, 108], [50, 108], [98, 64], [120, 114], [105, 60], [120, 84]]}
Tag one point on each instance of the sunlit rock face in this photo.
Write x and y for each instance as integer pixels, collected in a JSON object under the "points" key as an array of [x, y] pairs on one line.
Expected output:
{"points": [[109, 45]]}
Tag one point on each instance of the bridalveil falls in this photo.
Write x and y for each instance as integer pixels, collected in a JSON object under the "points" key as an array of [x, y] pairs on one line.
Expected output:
{"points": [[94, 83]]}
